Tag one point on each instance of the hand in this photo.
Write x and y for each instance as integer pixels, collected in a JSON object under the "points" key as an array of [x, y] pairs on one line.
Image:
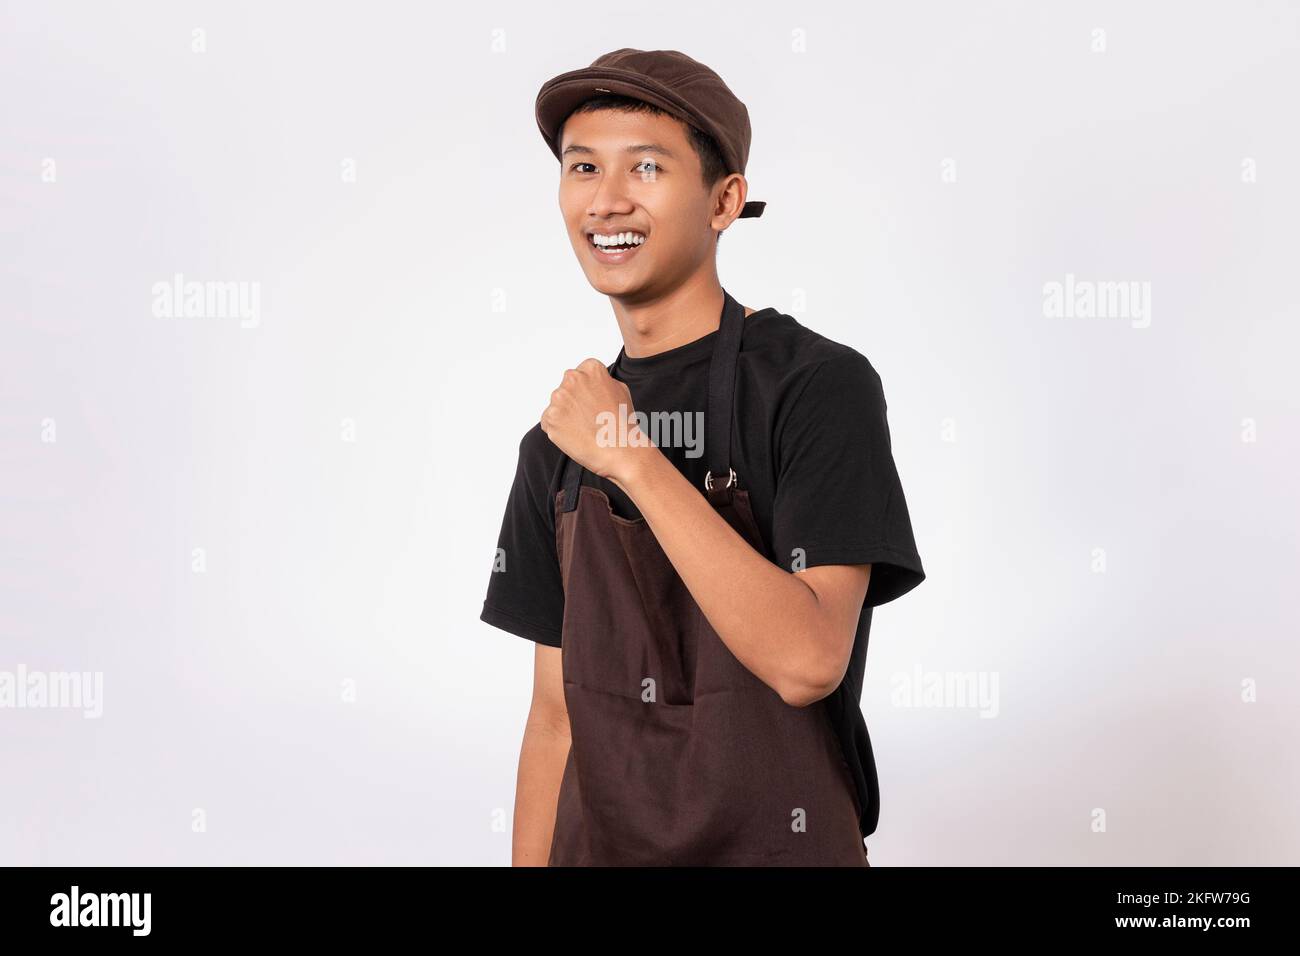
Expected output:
{"points": [[591, 420]]}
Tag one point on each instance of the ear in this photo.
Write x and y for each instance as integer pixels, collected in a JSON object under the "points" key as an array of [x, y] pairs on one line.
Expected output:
{"points": [[730, 202]]}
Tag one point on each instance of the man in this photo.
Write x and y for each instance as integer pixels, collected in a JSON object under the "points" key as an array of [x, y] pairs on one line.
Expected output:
{"points": [[700, 610]]}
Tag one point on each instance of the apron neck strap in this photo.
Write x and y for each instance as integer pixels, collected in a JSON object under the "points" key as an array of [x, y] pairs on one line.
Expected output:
{"points": [[720, 481]]}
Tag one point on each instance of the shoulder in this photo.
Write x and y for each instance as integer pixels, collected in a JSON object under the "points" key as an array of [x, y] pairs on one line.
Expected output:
{"points": [[541, 464], [799, 362], [537, 445], [538, 452]]}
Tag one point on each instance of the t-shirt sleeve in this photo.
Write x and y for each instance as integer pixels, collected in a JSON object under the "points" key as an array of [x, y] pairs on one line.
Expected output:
{"points": [[525, 594], [838, 495]]}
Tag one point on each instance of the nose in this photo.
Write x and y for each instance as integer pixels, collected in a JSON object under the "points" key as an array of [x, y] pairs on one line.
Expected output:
{"points": [[610, 198]]}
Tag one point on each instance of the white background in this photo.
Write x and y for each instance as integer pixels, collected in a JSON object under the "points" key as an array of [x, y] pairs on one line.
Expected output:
{"points": [[435, 301]]}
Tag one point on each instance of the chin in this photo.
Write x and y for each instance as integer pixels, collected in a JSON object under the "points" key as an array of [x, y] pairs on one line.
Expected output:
{"points": [[610, 281], [615, 287]]}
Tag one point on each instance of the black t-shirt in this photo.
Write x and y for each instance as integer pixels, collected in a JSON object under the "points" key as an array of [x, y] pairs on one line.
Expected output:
{"points": [[810, 442]]}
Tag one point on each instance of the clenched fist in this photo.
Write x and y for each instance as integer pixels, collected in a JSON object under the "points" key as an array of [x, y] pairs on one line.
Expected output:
{"points": [[590, 419]]}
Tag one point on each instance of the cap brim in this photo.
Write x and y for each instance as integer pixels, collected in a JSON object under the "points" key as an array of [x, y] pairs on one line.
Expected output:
{"points": [[562, 95]]}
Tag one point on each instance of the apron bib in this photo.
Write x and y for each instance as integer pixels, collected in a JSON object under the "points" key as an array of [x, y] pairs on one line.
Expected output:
{"points": [[680, 755]]}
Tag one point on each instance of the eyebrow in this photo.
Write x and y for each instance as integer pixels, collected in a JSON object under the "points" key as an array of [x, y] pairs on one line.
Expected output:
{"points": [[639, 148]]}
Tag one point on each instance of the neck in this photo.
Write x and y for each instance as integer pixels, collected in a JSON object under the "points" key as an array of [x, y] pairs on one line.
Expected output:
{"points": [[689, 312]]}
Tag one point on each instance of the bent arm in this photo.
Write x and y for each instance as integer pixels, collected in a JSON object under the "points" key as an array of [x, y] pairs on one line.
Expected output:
{"points": [[794, 632]]}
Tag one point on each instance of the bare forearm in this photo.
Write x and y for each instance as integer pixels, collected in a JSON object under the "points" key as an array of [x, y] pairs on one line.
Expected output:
{"points": [[767, 617], [541, 767]]}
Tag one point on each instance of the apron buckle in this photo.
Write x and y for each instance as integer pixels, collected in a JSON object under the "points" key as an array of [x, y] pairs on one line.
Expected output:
{"points": [[708, 479]]}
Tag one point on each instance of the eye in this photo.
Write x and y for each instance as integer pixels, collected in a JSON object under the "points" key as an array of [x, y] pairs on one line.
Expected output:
{"points": [[576, 165], [648, 162]]}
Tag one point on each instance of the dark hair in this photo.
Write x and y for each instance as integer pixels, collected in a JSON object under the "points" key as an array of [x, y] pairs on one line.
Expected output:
{"points": [[712, 164]]}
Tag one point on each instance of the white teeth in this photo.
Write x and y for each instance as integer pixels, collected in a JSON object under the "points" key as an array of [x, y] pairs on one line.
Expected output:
{"points": [[618, 239]]}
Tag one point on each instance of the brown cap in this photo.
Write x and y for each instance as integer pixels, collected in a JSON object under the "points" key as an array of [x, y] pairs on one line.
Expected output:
{"points": [[667, 79]]}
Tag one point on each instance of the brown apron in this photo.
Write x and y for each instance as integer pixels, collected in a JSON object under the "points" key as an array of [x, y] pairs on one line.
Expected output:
{"points": [[680, 755]]}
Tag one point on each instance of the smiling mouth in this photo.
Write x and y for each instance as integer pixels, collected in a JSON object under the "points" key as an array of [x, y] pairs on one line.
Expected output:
{"points": [[615, 244]]}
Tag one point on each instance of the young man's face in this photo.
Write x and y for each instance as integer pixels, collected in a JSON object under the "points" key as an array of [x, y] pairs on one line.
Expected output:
{"points": [[655, 189]]}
